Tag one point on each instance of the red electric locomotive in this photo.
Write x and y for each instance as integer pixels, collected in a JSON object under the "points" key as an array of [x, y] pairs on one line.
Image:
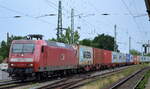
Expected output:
{"points": [[38, 59]]}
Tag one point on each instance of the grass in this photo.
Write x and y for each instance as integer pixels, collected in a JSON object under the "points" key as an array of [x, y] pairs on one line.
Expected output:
{"points": [[100, 83], [144, 81]]}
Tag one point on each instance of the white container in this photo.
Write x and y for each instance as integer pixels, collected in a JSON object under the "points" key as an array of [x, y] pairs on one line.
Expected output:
{"points": [[131, 58], [85, 55], [115, 57]]}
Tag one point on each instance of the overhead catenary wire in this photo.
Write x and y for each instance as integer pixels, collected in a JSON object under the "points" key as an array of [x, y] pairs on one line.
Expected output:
{"points": [[21, 13], [55, 6], [126, 6], [139, 27], [68, 11], [47, 2]]}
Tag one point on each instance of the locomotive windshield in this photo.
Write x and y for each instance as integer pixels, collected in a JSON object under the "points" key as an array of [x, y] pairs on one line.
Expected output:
{"points": [[23, 48]]}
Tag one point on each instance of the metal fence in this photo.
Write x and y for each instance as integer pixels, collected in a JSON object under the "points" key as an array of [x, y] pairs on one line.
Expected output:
{"points": [[4, 75]]}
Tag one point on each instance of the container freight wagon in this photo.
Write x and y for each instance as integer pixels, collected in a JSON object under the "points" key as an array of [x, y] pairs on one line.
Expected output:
{"points": [[123, 58], [142, 59], [98, 58], [129, 59], [107, 58], [148, 59], [102, 58], [85, 57], [119, 58], [136, 59], [115, 58], [145, 59]]}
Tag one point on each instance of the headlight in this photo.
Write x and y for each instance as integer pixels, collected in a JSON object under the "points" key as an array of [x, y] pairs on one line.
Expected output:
{"points": [[31, 64], [12, 64], [21, 60]]}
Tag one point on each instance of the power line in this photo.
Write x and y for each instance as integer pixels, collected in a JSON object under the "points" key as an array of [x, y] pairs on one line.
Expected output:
{"points": [[130, 14], [47, 1], [21, 13]]}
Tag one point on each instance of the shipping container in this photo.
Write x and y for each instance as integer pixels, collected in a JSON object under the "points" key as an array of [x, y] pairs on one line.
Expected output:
{"points": [[148, 59], [138, 59], [131, 58], [107, 57], [102, 56], [120, 58], [85, 55], [98, 56], [135, 59], [128, 58], [142, 59], [115, 57], [123, 58]]}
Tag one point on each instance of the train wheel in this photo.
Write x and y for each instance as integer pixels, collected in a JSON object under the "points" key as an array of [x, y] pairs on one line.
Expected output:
{"points": [[38, 77]]}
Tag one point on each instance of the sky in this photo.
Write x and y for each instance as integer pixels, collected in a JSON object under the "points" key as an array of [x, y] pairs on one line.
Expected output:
{"points": [[129, 15]]}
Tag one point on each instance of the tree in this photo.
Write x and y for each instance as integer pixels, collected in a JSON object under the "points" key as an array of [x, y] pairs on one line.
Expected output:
{"points": [[135, 52], [101, 41], [86, 42], [1, 59], [104, 42], [4, 50], [5, 46], [76, 37], [66, 37]]}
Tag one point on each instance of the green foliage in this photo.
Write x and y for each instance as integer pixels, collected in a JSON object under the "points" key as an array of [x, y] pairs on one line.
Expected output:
{"points": [[5, 46], [4, 50], [76, 37], [101, 41], [66, 37], [104, 42], [53, 39], [147, 54], [86, 42], [144, 81], [1, 59], [134, 52]]}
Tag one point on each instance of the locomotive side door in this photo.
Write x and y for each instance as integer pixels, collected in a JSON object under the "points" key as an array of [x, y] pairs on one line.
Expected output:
{"points": [[44, 57]]}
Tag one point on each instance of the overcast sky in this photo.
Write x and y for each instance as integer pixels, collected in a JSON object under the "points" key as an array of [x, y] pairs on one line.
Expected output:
{"points": [[129, 16]]}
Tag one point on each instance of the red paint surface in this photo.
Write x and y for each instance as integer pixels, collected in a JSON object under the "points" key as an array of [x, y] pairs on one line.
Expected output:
{"points": [[54, 56], [107, 57], [136, 59], [102, 56], [98, 56]]}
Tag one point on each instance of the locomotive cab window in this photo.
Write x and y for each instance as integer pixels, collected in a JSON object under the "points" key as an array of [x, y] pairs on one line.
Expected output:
{"points": [[23, 48]]}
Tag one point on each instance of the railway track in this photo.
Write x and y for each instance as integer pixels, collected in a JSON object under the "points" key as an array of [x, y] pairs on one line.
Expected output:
{"points": [[131, 81], [64, 83], [79, 80], [12, 84]]}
